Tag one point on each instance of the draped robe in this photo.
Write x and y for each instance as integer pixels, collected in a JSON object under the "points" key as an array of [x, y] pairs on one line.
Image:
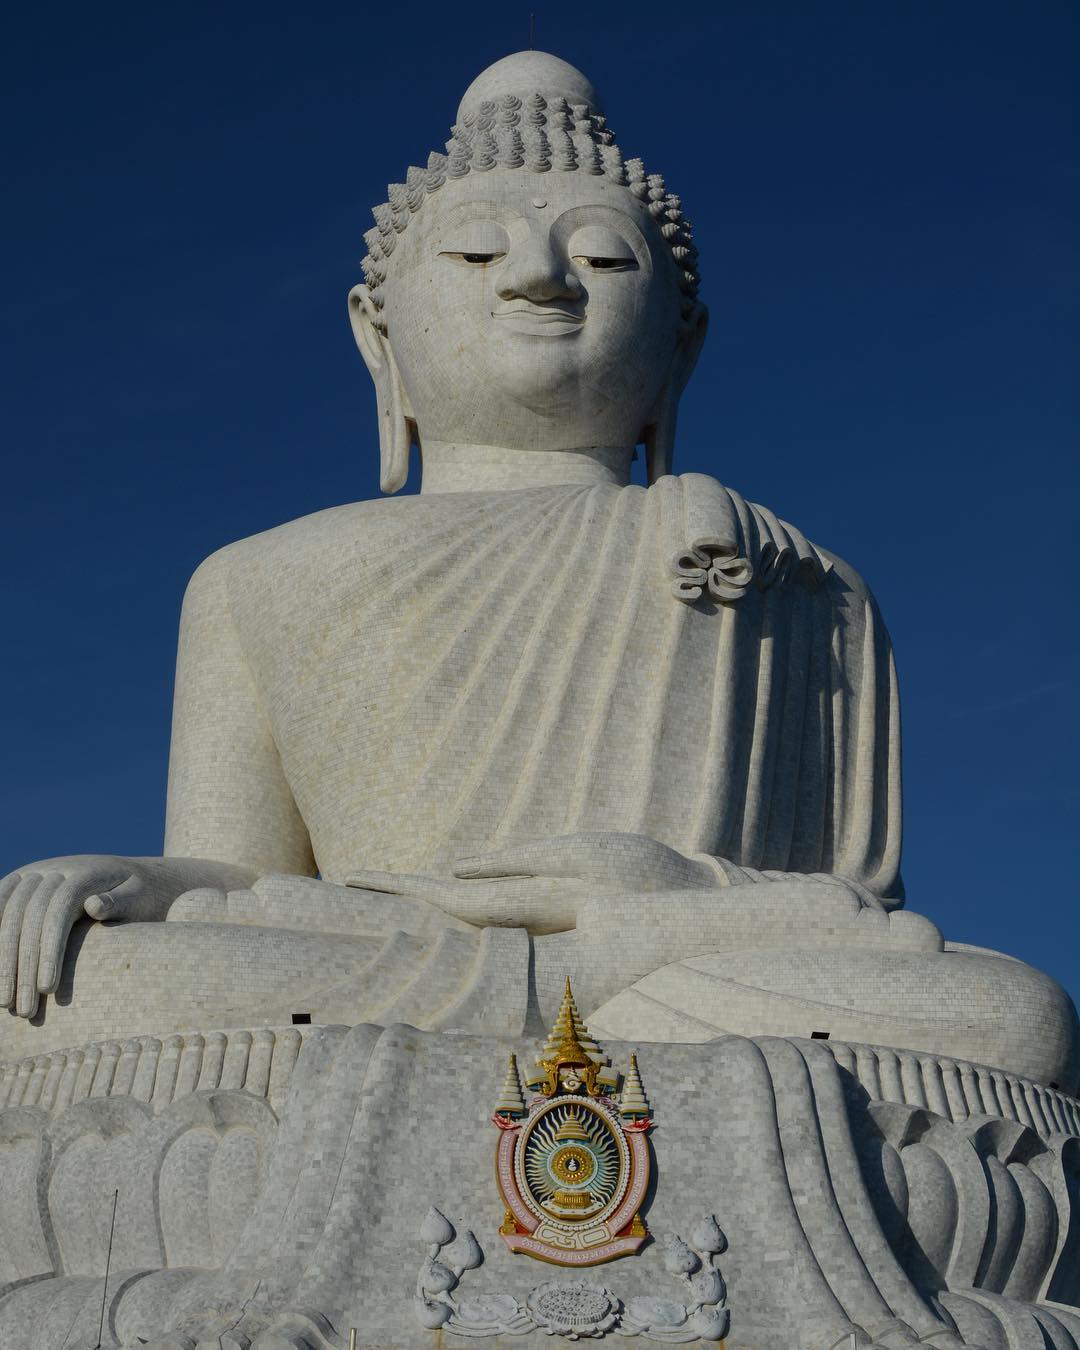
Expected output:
{"points": [[471, 670]]}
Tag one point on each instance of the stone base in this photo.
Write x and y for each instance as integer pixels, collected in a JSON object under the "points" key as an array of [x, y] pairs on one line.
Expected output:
{"points": [[272, 1186]]}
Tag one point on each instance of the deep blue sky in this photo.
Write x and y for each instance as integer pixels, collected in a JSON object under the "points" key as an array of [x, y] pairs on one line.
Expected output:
{"points": [[885, 196]]}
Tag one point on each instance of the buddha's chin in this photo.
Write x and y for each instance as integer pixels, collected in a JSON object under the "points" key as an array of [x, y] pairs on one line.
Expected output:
{"points": [[556, 380]]}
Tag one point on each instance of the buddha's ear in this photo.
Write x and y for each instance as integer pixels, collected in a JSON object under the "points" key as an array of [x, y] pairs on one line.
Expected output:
{"points": [[659, 433], [396, 425]]}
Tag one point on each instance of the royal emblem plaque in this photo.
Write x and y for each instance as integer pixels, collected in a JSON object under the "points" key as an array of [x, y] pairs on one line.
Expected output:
{"points": [[572, 1164]]}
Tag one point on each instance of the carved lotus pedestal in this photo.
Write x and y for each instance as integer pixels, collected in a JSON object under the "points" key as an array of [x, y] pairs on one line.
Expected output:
{"points": [[279, 1187]]}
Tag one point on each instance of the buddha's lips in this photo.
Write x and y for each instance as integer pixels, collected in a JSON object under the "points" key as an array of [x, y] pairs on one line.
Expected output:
{"points": [[539, 321]]}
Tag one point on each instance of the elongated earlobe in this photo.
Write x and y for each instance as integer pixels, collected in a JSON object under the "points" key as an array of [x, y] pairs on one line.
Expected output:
{"points": [[396, 431], [659, 433]]}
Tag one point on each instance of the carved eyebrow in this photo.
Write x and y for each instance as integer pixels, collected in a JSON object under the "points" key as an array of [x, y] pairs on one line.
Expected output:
{"points": [[600, 213], [578, 218], [599, 239]]}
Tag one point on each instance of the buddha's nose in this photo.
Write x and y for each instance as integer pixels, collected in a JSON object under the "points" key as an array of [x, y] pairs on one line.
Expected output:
{"points": [[536, 271]]}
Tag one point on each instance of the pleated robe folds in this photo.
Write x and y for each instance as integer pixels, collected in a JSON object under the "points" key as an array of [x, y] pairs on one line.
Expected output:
{"points": [[509, 666]]}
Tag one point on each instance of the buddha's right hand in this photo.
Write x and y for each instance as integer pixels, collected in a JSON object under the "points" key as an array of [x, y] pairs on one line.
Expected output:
{"points": [[40, 904]]}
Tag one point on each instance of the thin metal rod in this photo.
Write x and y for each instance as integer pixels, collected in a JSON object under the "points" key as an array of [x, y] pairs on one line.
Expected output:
{"points": [[532, 30], [352, 1338], [108, 1263]]}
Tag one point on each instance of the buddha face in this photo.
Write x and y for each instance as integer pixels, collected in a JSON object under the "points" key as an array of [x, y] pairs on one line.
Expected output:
{"points": [[533, 311]]}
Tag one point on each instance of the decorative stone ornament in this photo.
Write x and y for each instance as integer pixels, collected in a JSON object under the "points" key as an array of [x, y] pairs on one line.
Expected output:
{"points": [[575, 1309], [573, 1167]]}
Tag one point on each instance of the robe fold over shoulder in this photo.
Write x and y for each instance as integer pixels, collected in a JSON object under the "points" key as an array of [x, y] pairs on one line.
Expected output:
{"points": [[671, 661]]}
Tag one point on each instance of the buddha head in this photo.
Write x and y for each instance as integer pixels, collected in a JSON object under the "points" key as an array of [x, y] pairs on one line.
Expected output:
{"points": [[529, 289]]}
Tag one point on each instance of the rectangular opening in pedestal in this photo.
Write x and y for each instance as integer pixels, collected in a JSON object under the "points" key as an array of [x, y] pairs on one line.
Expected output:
{"points": [[819, 1035], [301, 1019]]}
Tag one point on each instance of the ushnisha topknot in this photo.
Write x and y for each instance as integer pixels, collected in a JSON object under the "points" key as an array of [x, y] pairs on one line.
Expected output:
{"points": [[506, 121]]}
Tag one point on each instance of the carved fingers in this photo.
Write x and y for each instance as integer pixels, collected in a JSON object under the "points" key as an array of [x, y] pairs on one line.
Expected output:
{"points": [[40, 905], [20, 891], [46, 924]]}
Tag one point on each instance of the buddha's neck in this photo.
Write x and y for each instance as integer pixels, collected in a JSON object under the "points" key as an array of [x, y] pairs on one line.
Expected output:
{"points": [[493, 468]]}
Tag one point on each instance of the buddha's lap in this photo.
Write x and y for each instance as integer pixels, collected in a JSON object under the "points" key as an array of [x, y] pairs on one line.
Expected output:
{"points": [[124, 980], [129, 979], [972, 1004]]}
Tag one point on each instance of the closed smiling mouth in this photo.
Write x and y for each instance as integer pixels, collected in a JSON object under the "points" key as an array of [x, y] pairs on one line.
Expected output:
{"points": [[539, 320]]}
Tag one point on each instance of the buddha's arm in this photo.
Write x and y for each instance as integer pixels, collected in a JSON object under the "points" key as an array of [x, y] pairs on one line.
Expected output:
{"points": [[228, 799], [231, 815]]}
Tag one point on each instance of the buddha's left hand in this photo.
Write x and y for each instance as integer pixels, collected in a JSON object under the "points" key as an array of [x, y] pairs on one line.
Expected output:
{"points": [[632, 862], [541, 885], [546, 884], [607, 860]]}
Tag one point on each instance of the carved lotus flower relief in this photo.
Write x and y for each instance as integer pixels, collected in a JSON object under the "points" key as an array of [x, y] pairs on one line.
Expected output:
{"points": [[573, 1309]]}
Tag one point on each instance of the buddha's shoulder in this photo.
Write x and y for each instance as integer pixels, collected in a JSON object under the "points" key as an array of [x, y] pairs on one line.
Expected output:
{"points": [[844, 582], [707, 509], [305, 542]]}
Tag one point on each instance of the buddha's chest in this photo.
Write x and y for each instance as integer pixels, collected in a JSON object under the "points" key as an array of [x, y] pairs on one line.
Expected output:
{"points": [[532, 672], [387, 661], [387, 633]]}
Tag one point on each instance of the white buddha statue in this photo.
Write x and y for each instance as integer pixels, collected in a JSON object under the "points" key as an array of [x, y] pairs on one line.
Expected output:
{"points": [[534, 721]]}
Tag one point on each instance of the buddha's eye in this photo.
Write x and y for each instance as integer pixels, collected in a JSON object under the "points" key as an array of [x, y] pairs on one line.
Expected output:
{"points": [[474, 243], [606, 264], [599, 248], [474, 259]]}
